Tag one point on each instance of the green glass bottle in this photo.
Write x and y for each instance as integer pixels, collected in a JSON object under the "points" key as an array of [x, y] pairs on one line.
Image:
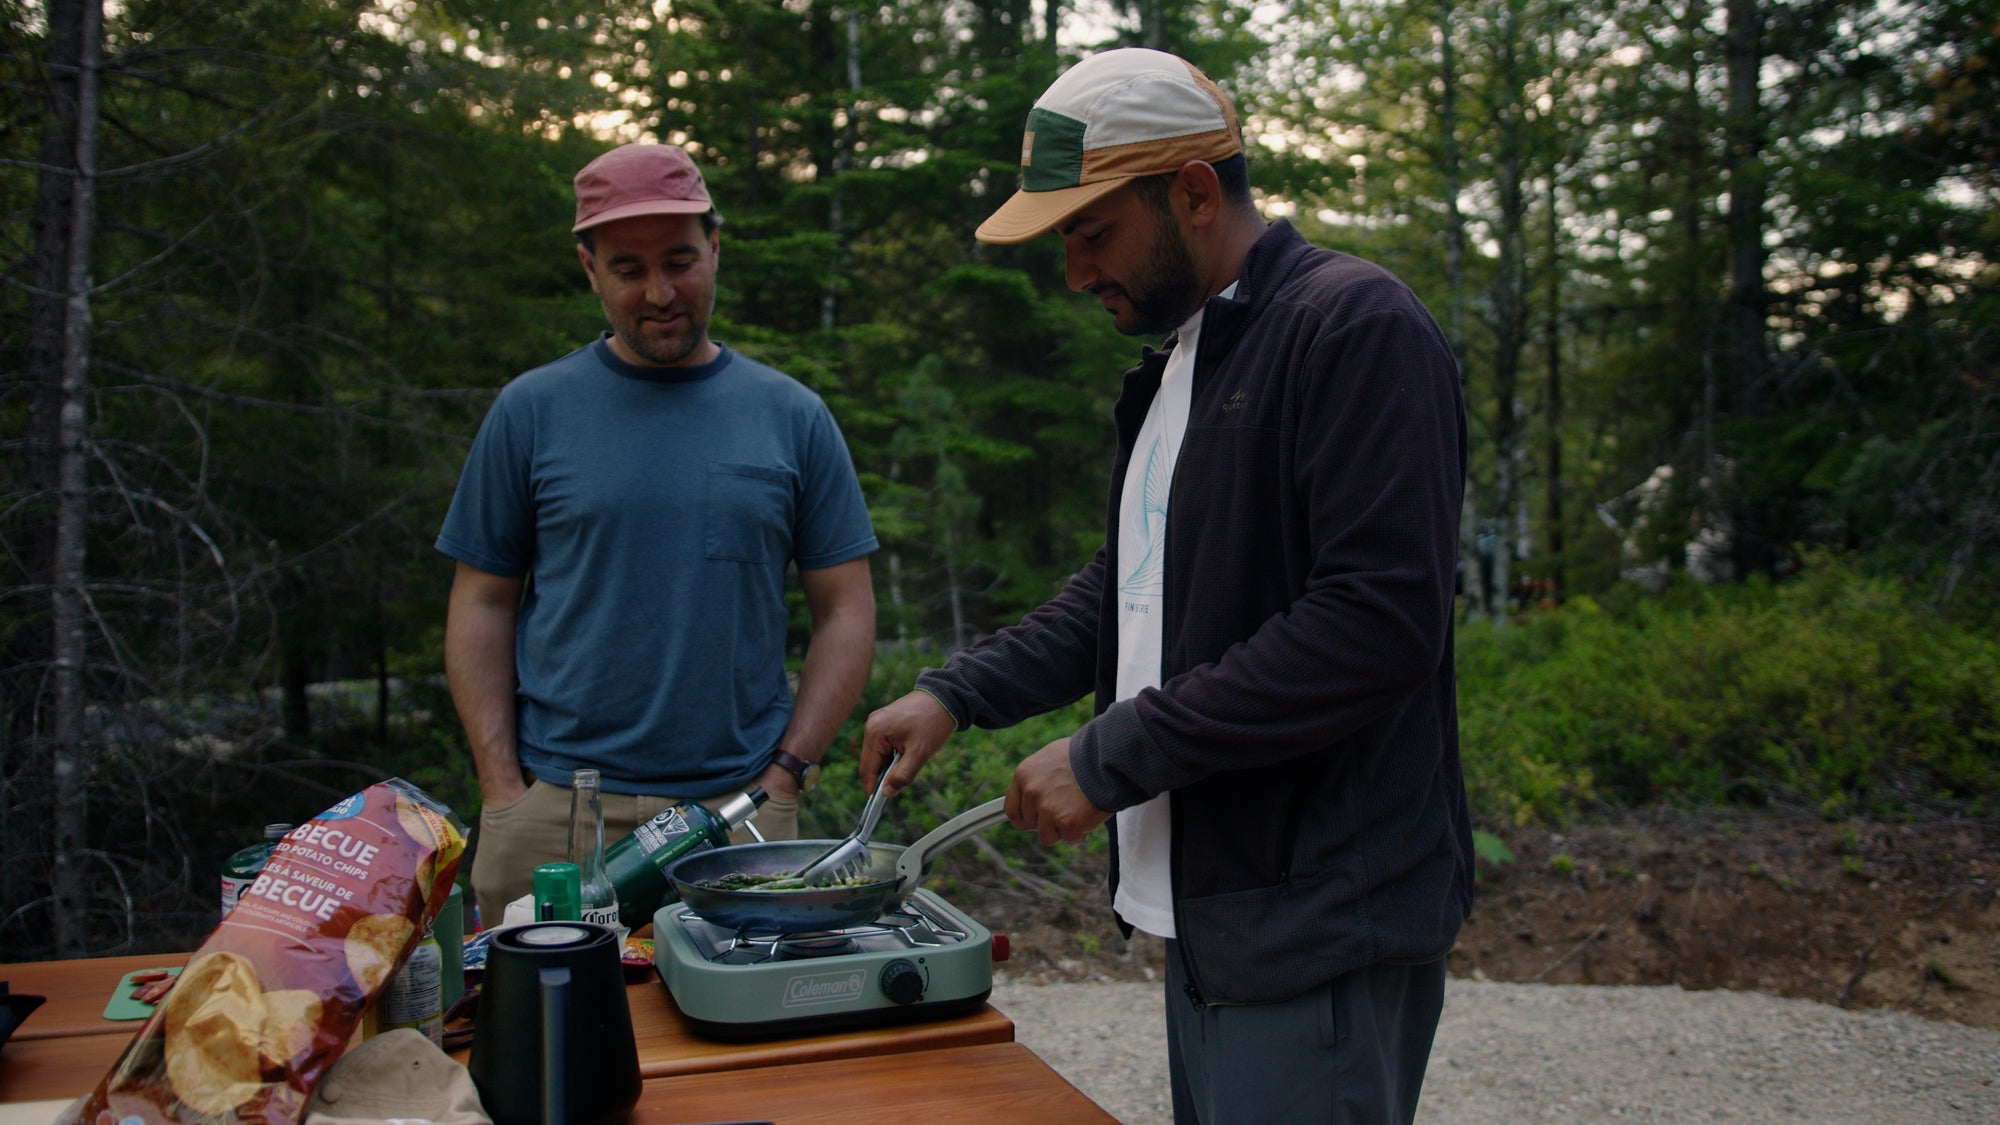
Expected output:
{"points": [[637, 864], [246, 864]]}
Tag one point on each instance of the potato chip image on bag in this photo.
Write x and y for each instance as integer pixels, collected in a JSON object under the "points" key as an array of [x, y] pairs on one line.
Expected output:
{"points": [[290, 1015], [374, 946], [214, 1020], [278, 990]]}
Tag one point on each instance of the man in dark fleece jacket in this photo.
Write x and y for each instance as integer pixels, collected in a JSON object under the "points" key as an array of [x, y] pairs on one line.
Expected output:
{"points": [[1267, 628]]}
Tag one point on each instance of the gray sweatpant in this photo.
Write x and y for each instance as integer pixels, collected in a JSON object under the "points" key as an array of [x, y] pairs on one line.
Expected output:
{"points": [[1351, 1051]]}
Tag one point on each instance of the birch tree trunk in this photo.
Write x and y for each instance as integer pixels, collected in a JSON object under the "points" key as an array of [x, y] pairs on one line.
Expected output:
{"points": [[70, 599], [893, 580], [1552, 395], [961, 630], [1152, 25], [1691, 284], [1471, 575], [1509, 300], [1744, 316], [843, 159]]}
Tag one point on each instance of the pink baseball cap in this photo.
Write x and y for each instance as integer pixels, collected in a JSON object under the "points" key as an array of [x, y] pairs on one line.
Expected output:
{"points": [[639, 179]]}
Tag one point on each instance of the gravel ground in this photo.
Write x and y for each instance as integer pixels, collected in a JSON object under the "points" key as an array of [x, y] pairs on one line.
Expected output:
{"points": [[1550, 1053]]}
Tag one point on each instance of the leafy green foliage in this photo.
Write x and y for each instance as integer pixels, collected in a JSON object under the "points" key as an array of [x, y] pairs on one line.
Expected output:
{"points": [[973, 768], [1837, 691], [1489, 850]]}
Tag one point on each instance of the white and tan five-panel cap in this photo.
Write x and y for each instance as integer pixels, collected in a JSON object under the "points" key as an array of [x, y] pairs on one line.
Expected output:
{"points": [[1111, 118]]}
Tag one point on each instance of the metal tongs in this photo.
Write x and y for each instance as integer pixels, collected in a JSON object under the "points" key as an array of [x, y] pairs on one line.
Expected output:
{"points": [[849, 856]]}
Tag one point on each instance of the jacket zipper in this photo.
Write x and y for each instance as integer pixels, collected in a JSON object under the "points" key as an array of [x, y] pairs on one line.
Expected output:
{"points": [[1192, 987]]}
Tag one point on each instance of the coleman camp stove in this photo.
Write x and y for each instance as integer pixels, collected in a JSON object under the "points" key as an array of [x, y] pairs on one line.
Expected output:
{"points": [[922, 960]]}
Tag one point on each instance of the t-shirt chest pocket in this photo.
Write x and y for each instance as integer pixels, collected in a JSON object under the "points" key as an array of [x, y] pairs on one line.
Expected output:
{"points": [[747, 513]]}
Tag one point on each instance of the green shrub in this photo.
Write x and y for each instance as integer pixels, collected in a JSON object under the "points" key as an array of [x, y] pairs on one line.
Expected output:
{"points": [[1834, 691], [973, 767]]}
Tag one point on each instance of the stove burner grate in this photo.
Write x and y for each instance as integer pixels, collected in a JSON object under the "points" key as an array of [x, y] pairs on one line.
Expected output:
{"points": [[911, 926], [798, 947]]}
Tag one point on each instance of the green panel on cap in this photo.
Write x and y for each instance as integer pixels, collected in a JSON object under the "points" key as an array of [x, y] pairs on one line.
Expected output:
{"points": [[1052, 155]]}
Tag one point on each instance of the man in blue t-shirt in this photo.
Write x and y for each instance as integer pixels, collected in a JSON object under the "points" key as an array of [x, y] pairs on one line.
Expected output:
{"points": [[623, 530]]}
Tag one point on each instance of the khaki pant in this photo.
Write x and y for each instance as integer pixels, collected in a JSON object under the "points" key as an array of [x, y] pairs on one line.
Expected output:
{"points": [[513, 839]]}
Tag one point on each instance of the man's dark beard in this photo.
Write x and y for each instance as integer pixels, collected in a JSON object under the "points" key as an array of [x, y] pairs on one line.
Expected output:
{"points": [[1163, 291], [668, 353], [672, 353]]}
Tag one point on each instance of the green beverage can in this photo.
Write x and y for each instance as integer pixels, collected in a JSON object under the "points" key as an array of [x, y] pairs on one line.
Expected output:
{"points": [[414, 996]]}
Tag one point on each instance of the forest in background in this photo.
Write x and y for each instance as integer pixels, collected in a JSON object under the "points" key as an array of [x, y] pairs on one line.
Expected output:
{"points": [[1721, 278]]}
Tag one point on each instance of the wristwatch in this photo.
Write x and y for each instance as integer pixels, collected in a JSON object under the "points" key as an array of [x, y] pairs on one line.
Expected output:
{"points": [[806, 772]]}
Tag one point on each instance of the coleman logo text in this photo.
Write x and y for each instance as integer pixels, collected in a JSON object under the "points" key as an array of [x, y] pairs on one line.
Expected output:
{"points": [[823, 988]]}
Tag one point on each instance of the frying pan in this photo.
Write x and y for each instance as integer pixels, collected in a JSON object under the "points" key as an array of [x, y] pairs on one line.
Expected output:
{"points": [[893, 872]]}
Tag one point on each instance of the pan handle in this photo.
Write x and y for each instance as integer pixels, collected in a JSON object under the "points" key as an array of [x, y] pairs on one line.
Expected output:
{"points": [[915, 861]]}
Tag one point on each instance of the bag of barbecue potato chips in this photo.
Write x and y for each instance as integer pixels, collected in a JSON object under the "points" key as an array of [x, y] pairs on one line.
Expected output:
{"points": [[276, 993]]}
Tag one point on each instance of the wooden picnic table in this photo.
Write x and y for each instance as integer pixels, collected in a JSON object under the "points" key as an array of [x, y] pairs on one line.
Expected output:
{"points": [[962, 1068]]}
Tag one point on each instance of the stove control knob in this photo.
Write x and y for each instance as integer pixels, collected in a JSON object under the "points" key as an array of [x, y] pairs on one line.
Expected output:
{"points": [[902, 982]]}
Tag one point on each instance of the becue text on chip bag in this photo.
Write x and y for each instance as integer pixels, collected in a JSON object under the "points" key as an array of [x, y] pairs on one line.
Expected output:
{"points": [[276, 993]]}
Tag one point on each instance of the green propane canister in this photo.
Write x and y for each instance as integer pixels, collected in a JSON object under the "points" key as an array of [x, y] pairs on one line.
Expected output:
{"points": [[637, 864], [246, 864]]}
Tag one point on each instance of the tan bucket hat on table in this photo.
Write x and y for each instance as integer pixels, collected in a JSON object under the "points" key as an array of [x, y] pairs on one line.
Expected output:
{"points": [[398, 1077]]}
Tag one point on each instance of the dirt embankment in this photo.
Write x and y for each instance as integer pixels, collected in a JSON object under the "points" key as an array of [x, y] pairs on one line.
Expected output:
{"points": [[1858, 915]]}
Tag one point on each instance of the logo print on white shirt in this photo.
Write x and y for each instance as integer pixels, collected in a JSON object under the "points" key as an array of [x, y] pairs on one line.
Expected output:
{"points": [[1149, 525]]}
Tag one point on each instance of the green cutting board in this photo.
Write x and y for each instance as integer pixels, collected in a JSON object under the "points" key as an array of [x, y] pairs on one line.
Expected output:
{"points": [[122, 1006]]}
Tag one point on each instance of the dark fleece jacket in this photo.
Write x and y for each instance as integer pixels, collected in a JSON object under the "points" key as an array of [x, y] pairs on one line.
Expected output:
{"points": [[1307, 722]]}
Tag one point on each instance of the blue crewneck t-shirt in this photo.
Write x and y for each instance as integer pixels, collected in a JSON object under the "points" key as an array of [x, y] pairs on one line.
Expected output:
{"points": [[654, 512]]}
